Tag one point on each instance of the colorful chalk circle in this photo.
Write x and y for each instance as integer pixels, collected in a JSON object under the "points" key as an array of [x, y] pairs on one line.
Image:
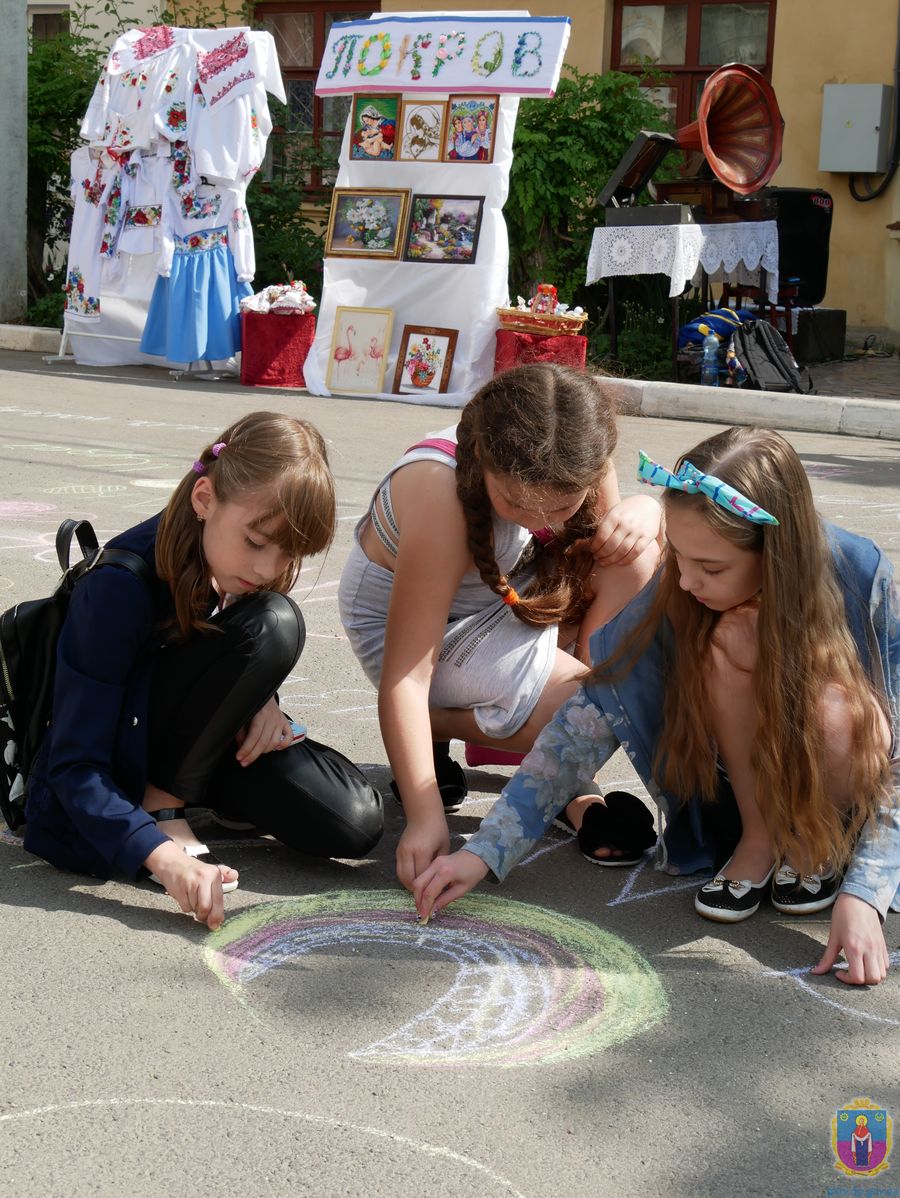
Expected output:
{"points": [[19, 509], [533, 986]]}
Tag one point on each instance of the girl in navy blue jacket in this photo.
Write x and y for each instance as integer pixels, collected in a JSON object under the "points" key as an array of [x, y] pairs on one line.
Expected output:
{"points": [[165, 694]]}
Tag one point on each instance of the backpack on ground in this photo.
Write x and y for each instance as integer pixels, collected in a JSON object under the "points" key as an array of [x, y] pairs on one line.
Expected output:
{"points": [[28, 635], [770, 365]]}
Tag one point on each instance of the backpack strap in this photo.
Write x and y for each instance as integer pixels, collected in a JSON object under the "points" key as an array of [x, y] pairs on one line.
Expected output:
{"points": [[83, 532], [123, 557]]}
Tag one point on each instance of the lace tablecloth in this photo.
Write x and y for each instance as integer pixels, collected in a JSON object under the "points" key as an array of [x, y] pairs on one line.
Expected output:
{"points": [[683, 251]]}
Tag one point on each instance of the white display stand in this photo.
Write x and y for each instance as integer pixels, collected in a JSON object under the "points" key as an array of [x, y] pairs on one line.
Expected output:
{"points": [[438, 294], [442, 294]]}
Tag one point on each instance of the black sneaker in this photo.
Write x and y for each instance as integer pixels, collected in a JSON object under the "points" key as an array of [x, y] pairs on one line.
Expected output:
{"points": [[449, 776], [803, 894], [728, 901]]}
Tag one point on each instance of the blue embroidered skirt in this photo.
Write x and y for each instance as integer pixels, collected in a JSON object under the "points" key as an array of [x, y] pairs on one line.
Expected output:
{"points": [[195, 312]]}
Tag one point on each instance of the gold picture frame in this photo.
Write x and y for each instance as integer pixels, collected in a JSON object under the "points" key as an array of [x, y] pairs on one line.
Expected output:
{"points": [[366, 222], [360, 343]]}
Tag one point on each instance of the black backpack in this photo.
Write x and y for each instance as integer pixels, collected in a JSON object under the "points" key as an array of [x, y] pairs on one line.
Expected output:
{"points": [[28, 635], [770, 365]]}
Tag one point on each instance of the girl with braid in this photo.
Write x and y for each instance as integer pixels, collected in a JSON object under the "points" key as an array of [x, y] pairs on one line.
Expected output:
{"points": [[488, 556], [755, 686]]}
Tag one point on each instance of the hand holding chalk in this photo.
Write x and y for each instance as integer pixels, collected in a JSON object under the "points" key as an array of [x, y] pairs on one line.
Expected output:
{"points": [[446, 879]]}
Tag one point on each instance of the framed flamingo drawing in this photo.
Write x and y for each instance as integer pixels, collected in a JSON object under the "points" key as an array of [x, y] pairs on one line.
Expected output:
{"points": [[359, 349]]}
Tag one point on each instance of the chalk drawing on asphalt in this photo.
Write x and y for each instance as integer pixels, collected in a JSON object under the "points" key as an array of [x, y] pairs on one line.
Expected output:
{"points": [[21, 509], [221, 1109], [533, 986], [100, 490], [800, 974], [109, 458]]}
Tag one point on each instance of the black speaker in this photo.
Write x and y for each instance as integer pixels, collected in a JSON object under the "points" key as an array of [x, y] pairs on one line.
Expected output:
{"points": [[804, 230]]}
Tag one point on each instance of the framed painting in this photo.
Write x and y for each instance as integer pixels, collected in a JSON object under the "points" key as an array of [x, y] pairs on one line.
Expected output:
{"points": [[359, 347], [443, 229], [373, 136], [469, 132], [366, 223], [422, 130], [425, 360]]}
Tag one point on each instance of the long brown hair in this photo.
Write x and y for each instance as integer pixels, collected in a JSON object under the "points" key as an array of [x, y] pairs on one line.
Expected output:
{"points": [[803, 645], [544, 426], [279, 458]]}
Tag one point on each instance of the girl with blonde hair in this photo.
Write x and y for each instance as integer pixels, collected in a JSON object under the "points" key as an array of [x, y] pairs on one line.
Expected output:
{"points": [[489, 549], [165, 686], [762, 667]]}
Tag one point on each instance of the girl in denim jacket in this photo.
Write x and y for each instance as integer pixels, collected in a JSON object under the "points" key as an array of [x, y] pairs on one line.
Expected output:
{"points": [[761, 664]]}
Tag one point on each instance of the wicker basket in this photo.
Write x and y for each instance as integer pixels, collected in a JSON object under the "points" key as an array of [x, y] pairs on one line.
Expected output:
{"points": [[521, 320]]}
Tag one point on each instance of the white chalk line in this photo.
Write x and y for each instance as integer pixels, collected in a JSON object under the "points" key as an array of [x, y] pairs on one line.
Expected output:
{"points": [[423, 1146], [798, 975]]}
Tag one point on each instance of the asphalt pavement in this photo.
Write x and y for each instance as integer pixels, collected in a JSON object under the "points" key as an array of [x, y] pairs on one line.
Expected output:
{"points": [[576, 1031]]}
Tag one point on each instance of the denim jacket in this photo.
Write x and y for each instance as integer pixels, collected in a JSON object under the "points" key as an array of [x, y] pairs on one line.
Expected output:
{"points": [[627, 713]]}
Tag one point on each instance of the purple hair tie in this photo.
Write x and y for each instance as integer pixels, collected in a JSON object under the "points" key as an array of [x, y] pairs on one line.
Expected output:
{"points": [[198, 467]]}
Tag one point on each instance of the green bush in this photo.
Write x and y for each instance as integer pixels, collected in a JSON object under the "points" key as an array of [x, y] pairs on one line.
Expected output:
{"points": [[62, 73], [565, 150], [289, 243]]}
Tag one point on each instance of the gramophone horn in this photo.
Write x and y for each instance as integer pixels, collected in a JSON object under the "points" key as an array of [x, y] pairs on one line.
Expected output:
{"points": [[739, 128]]}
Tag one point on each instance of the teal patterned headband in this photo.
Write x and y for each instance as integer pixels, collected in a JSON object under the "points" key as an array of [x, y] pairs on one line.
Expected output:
{"points": [[694, 481]]}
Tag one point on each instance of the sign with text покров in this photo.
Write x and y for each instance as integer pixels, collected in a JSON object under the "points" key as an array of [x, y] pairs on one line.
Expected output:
{"points": [[436, 52]]}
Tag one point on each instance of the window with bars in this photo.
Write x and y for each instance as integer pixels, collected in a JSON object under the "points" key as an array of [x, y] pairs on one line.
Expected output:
{"points": [[301, 30], [686, 40]]}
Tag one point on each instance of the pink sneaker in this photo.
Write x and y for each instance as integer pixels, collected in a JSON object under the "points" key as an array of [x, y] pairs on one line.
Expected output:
{"points": [[481, 755]]}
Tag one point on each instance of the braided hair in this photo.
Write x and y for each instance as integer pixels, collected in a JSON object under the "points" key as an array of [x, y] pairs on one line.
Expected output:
{"points": [[547, 427]]}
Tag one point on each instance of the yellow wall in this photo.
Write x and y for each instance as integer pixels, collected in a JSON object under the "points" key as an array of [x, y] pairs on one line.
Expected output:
{"points": [[816, 42], [819, 42]]}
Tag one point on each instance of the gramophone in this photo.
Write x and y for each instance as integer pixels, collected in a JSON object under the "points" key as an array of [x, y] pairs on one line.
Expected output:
{"points": [[738, 133]]}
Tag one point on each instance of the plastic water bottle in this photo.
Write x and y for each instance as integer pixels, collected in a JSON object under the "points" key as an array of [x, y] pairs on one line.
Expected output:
{"points": [[709, 367]]}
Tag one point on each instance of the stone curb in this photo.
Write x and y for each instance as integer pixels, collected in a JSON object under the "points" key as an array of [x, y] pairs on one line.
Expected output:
{"points": [[29, 337], [878, 418]]}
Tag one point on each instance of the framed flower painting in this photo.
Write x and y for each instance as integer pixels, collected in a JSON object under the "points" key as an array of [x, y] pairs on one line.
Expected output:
{"points": [[425, 360], [366, 223], [359, 347], [443, 229]]}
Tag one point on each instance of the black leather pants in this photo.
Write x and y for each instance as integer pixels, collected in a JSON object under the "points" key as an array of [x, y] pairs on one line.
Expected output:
{"points": [[205, 689]]}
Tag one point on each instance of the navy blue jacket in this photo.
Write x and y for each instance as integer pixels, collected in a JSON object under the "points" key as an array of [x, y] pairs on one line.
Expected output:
{"points": [[84, 796]]}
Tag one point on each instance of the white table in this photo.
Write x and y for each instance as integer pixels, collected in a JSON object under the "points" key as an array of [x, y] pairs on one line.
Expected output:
{"points": [[684, 252]]}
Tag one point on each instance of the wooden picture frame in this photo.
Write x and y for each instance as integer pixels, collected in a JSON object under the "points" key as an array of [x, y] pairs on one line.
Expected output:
{"points": [[366, 222], [470, 129], [373, 136], [425, 360], [420, 136], [443, 228], [360, 343]]}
